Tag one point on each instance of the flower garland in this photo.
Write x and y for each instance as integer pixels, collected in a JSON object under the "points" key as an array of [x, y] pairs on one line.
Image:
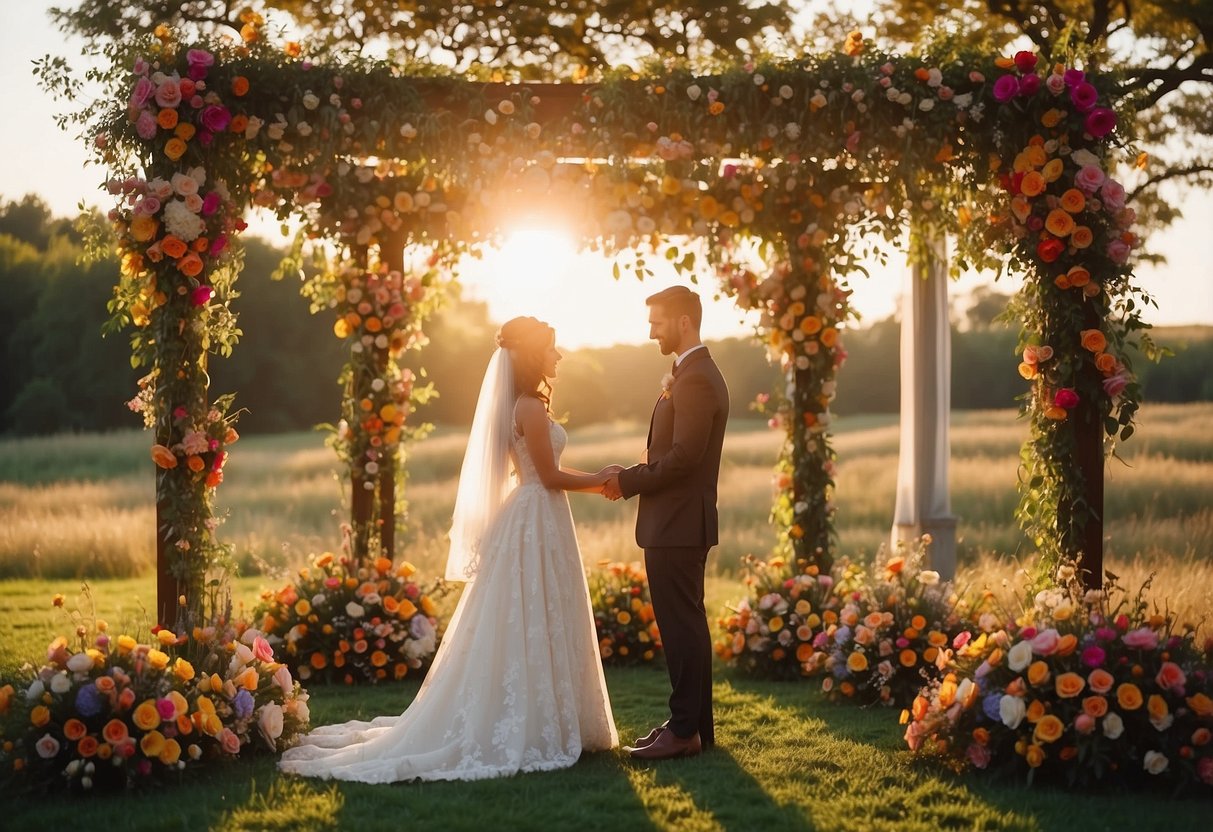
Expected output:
{"points": [[623, 614]]}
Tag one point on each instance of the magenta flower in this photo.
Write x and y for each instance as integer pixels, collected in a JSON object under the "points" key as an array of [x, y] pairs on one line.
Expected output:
{"points": [[145, 125], [1084, 96], [1118, 251], [1066, 398], [201, 296], [211, 203], [1093, 656], [1025, 61], [1029, 85], [1074, 77], [144, 90], [215, 118], [1100, 122], [166, 709], [1115, 384], [1006, 88], [219, 245]]}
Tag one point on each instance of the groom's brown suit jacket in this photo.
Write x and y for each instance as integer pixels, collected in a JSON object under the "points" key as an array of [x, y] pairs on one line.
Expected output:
{"points": [[677, 483]]}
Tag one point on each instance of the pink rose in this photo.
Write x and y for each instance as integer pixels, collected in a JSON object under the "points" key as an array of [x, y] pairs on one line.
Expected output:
{"points": [[1113, 194], [1044, 643], [144, 89], [1084, 723], [168, 94], [141, 66], [1088, 179], [199, 57], [149, 206], [47, 747], [282, 678], [1171, 677], [1115, 384], [229, 741], [1083, 96], [262, 649], [145, 125], [1143, 638], [193, 202], [1056, 84], [1065, 398], [1118, 251], [1006, 88], [1204, 770]]}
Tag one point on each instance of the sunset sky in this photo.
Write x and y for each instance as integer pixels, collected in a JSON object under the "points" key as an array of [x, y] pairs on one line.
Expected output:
{"points": [[538, 272]]}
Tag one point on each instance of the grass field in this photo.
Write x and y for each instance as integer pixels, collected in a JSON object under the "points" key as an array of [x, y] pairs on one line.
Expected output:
{"points": [[75, 508]]}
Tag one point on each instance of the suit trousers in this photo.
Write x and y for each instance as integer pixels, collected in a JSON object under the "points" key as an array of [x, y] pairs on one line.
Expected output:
{"points": [[676, 587]]}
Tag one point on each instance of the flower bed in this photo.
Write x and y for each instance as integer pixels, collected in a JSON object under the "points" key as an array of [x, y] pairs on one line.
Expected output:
{"points": [[110, 713], [340, 622], [623, 615], [1084, 688]]}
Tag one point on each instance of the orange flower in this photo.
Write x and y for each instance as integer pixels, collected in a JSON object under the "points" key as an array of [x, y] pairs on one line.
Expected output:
{"points": [[1033, 184], [167, 118], [378, 658], [190, 265], [240, 85], [1036, 711], [1100, 680], [163, 457], [907, 658], [981, 736], [1200, 704], [185, 131], [1078, 276], [1128, 695], [857, 662], [1157, 707], [1073, 200], [1081, 237], [1059, 223], [1052, 118], [1038, 673], [1094, 706], [716, 108], [318, 661], [1035, 755], [238, 124], [1048, 729], [174, 148], [1069, 685], [1066, 645], [1028, 371], [804, 652], [1057, 414], [920, 707], [146, 716], [87, 746], [173, 246], [195, 463], [74, 729], [1094, 340], [152, 744]]}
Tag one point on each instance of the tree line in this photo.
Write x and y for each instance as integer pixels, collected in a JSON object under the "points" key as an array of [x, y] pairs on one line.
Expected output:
{"points": [[59, 373]]}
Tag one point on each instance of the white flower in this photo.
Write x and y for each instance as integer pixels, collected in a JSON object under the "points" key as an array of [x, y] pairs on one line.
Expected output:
{"points": [[785, 92], [318, 599], [354, 610], [47, 747], [1019, 656], [184, 184], [929, 577], [934, 77], [181, 222], [253, 127], [963, 101], [1082, 158], [80, 662], [792, 130], [60, 683], [926, 105], [408, 131], [506, 108], [693, 92], [35, 691], [533, 130], [310, 101], [1155, 762], [490, 116], [1113, 726], [269, 722], [303, 128], [1011, 710]]}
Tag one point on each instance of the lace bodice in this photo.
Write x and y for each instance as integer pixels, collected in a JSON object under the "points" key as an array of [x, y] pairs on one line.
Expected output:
{"points": [[524, 466]]}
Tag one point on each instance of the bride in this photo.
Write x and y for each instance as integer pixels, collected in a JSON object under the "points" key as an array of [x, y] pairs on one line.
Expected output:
{"points": [[517, 684]]}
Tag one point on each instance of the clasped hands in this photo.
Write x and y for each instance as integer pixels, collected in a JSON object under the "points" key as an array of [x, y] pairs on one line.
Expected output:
{"points": [[610, 486]]}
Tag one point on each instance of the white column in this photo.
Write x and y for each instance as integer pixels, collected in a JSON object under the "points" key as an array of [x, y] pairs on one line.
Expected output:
{"points": [[923, 503]]}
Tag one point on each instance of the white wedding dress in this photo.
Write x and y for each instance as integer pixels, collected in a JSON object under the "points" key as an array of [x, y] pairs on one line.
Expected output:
{"points": [[517, 684]]}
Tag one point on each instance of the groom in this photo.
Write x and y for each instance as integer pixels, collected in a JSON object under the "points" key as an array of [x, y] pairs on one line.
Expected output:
{"points": [[677, 522]]}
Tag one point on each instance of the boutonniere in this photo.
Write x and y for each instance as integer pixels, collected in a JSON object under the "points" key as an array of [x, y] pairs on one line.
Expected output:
{"points": [[667, 384]]}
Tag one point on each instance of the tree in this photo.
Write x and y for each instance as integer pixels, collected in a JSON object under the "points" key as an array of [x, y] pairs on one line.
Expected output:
{"points": [[1157, 50], [537, 37]]}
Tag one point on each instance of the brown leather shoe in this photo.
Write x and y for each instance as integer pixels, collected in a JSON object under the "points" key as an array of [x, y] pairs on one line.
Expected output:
{"points": [[651, 737], [667, 746]]}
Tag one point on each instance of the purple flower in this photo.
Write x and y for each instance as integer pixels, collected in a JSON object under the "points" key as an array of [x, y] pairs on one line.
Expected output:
{"points": [[1029, 85], [989, 706], [1084, 96], [88, 700], [1006, 88], [1074, 77], [215, 118], [242, 705], [1100, 122], [1115, 384], [1093, 656], [1118, 251], [842, 635]]}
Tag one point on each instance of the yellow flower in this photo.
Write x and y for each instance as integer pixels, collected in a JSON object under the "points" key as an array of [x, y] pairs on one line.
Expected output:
{"points": [[857, 662], [183, 670], [623, 617], [1069, 685], [40, 715], [1035, 756], [302, 607], [146, 716], [775, 624], [157, 659], [152, 744], [170, 752], [1128, 695], [1052, 170], [1048, 729]]}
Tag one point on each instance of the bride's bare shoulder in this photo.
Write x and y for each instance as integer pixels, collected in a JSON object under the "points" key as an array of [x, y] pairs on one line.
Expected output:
{"points": [[529, 410]]}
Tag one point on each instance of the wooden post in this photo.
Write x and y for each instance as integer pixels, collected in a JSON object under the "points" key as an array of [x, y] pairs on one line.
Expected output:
{"points": [[166, 584]]}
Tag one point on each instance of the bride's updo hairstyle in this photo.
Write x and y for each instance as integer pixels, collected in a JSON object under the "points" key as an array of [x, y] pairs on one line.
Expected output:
{"points": [[528, 340]]}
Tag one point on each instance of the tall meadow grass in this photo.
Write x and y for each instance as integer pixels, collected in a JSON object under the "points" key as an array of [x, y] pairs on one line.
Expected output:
{"points": [[83, 505]]}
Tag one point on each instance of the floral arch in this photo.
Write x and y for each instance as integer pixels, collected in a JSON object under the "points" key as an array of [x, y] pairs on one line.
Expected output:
{"points": [[785, 171]]}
